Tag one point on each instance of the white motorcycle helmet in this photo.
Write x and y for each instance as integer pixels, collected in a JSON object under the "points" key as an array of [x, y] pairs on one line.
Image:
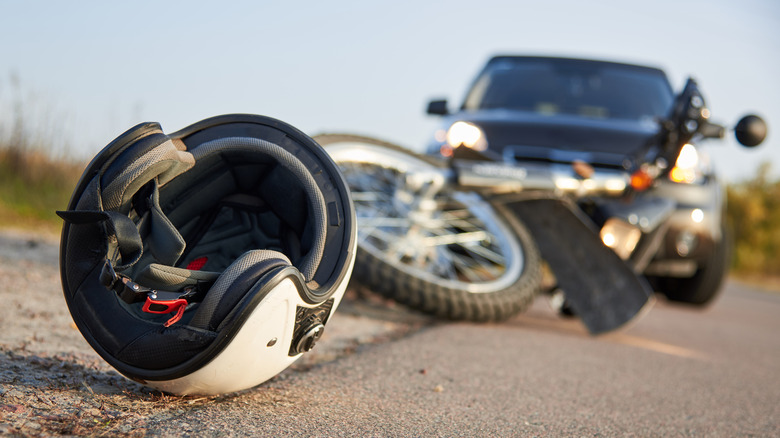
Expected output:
{"points": [[208, 260]]}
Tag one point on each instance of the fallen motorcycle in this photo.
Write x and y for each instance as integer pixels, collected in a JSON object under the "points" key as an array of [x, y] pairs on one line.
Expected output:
{"points": [[465, 231]]}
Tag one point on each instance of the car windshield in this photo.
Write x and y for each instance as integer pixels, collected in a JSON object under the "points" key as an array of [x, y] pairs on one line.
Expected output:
{"points": [[566, 86]]}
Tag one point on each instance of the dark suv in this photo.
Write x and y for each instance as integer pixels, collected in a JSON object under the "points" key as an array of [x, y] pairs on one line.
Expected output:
{"points": [[559, 111]]}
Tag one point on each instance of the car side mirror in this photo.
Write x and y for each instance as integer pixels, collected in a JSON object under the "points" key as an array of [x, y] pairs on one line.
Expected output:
{"points": [[750, 131], [438, 107]]}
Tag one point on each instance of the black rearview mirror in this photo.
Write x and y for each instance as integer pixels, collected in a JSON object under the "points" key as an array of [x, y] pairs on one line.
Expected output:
{"points": [[438, 107], [750, 131]]}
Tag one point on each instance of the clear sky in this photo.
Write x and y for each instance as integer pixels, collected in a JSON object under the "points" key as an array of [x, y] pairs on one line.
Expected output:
{"points": [[90, 70]]}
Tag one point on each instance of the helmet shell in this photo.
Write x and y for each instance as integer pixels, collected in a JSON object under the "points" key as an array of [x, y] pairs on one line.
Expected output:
{"points": [[246, 209]]}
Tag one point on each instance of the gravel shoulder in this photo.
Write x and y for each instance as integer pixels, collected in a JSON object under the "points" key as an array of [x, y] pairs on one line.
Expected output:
{"points": [[53, 383]]}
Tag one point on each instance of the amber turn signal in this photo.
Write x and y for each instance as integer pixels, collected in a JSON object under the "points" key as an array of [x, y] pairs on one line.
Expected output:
{"points": [[641, 180]]}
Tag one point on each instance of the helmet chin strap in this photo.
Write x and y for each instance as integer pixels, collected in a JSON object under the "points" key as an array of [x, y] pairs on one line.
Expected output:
{"points": [[155, 301], [125, 244], [123, 238]]}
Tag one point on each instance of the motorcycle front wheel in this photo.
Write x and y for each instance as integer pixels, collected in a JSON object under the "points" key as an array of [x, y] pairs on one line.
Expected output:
{"points": [[435, 249]]}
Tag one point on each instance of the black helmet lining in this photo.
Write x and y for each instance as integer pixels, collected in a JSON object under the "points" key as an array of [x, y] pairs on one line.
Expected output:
{"points": [[240, 194]]}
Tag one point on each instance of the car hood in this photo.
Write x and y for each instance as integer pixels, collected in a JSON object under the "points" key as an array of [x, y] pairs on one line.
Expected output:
{"points": [[562, 137]]}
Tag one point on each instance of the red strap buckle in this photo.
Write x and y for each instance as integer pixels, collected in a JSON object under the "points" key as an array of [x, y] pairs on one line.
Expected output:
{"points": [[153, 305], [197, 264]]}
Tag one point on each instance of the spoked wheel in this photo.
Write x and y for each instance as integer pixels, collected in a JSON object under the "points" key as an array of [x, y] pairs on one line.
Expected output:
{"points": [[440, 251]]}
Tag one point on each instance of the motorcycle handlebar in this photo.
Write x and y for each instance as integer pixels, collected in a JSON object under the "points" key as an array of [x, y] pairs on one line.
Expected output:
{"points": [[713, 130]]}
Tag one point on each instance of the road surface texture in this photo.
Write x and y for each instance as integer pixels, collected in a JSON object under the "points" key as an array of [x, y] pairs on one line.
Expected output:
{"points": [[382, 370]]}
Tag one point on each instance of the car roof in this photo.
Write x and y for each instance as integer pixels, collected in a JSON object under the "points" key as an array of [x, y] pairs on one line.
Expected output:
{"points": [[564, 60]]}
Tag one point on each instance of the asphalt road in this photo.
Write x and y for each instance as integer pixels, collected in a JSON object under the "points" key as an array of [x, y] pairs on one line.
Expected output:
{"points": [[382, 370], [676, 372]]}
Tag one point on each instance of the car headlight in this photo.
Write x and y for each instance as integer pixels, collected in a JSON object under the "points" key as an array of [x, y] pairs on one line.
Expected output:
{"points": [[688, 167], [466, 134], [621, 236]]}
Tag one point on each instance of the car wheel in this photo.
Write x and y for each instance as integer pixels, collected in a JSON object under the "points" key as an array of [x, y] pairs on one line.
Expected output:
{"points": [[705, 284]]}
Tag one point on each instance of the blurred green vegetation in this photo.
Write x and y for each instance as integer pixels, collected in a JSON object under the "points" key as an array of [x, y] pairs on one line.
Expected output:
{"points": [[32, 187], [35, 177], [753, 212]]}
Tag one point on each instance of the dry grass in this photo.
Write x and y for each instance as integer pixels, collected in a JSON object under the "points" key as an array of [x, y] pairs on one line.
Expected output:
{"points": [[32, 187]]}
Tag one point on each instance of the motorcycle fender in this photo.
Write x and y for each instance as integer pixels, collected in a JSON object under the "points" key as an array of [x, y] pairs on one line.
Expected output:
{"points": [[601, 288]]}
